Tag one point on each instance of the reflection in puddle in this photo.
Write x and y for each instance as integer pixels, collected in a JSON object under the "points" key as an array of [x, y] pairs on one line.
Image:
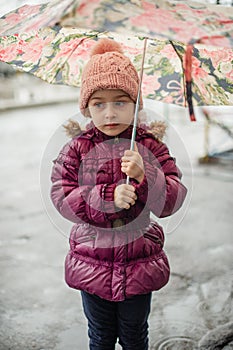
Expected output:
{"points": [[167, 334], [175, 343]]}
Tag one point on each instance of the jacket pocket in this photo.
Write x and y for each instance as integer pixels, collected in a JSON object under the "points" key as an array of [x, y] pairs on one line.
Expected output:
{"points": [[81, 235]]}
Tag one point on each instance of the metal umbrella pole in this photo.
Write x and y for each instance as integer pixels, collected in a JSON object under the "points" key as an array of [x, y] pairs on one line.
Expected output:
{"points": [[137, 104]]}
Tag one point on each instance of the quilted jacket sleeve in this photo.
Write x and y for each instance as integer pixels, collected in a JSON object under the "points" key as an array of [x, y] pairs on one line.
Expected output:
{"points": [[76, 202], [161, 190]]}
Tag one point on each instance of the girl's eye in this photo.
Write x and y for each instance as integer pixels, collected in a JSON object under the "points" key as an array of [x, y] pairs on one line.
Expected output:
{"points": [[119, 103], [99, 105]]}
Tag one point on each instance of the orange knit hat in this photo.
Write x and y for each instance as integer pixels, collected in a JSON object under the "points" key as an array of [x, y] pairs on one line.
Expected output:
{"points": [[108, 68]]}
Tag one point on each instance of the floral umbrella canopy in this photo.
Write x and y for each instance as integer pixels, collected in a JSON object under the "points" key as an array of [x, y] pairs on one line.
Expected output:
{"points": [[189, 44]]}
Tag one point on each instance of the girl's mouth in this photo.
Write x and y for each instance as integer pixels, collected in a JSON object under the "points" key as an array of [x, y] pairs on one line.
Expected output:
{"points": [[112, 125]]}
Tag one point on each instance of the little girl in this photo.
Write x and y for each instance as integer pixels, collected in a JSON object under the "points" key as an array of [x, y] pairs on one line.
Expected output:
{"points": [[116, 255]]}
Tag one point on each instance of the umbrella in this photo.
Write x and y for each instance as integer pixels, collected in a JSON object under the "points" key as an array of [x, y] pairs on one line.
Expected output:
{"points": [[189, 48]]}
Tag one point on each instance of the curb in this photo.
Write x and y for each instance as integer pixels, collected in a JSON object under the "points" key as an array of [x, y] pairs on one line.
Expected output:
{"points": [[14, 105]]}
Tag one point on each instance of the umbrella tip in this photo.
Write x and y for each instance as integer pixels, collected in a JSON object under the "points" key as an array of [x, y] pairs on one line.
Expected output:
{"points": [[106, 45]]}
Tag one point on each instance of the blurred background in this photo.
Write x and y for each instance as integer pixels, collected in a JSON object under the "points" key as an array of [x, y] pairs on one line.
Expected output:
{"points": [[38, 311]]}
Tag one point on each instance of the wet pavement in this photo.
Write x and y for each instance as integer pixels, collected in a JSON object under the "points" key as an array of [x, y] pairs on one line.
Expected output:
{"points": [[38, 311]]}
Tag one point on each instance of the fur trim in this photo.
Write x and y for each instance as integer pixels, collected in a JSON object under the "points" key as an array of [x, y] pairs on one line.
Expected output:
{"points": [[72, 128], [157, 128]]}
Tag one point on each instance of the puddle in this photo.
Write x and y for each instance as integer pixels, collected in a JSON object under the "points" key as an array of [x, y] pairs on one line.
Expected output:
{"points": [[175, 343], [166, 334]]}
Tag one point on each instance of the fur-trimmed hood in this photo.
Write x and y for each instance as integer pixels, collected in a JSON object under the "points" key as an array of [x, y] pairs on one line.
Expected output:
{"points": [[157, 128]]}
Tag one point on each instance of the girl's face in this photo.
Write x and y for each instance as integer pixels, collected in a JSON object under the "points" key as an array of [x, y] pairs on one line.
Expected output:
{"points": [[112, 111]]}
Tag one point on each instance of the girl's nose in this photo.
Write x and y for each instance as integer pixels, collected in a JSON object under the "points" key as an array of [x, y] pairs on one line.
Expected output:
{"points": [[110, 111]]}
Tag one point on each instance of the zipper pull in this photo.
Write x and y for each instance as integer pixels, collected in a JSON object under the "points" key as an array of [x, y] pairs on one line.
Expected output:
{"points": [[116, 140]]}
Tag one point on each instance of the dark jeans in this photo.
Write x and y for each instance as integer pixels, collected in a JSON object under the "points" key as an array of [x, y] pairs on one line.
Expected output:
{"points": [[126, 320]]}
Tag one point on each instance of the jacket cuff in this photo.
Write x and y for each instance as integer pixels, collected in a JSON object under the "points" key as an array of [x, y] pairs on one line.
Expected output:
{"points": [[108, 198]]}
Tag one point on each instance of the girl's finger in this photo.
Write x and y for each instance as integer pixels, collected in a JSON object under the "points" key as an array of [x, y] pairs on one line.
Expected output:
{"points": [[128, 153], [131, 195], [124, 163], [129, 200]]}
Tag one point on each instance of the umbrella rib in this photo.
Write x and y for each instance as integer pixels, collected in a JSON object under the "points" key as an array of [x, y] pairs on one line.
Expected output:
{"points": [[71, 53], [181, 61]]}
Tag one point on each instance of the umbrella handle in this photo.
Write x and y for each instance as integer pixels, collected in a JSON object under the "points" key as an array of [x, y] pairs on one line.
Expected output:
{"points": [[135, 122]]}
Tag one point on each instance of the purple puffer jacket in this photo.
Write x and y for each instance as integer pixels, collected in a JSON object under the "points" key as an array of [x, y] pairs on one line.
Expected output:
{"points": [[114, 253]]}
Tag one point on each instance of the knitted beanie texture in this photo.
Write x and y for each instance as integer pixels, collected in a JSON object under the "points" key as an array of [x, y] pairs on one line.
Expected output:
{"points": [[108, 68]]}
